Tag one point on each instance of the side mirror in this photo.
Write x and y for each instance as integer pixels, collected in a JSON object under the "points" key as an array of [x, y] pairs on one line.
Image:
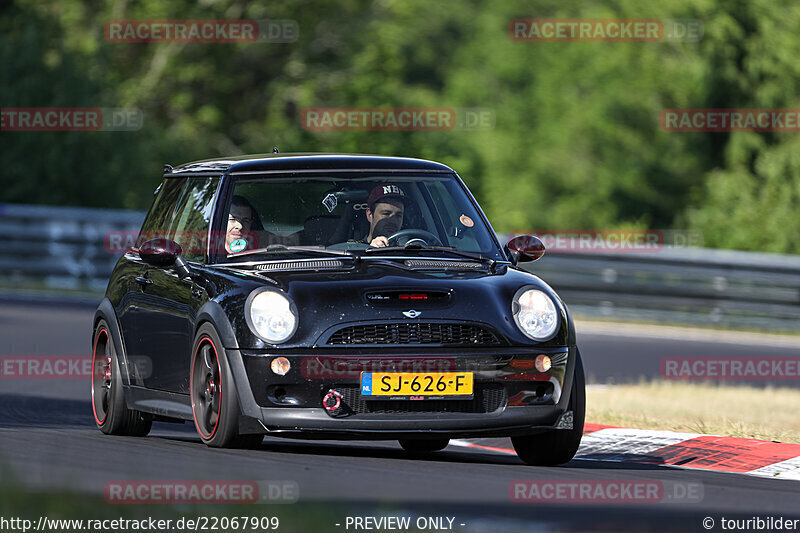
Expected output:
{"points": [[164, 253], [525, 248]]}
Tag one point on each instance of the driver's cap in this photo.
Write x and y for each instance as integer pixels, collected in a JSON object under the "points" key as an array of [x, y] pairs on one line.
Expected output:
{"points": [[387, 190]]}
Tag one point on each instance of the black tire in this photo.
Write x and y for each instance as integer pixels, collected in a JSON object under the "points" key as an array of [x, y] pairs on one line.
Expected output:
{"points": [[424, 445], [558, 446], [111, 414], [215, 403]]}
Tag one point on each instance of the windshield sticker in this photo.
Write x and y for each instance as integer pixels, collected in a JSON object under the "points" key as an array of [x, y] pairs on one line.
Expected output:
{"points": [[466, 221], [330, 202], [238, 245]]}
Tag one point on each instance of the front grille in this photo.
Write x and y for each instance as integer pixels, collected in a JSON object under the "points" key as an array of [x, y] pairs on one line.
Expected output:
{"points": [[415, 333], [487, 398]]}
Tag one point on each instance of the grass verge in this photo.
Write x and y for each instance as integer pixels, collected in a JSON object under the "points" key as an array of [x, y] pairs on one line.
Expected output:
{"points": [[732, 410]]}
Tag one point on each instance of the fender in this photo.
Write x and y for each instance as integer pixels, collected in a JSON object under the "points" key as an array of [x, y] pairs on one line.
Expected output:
{"points": [[106, 312], [213, 313], [569, 377], [572, 338], [574, 356]]}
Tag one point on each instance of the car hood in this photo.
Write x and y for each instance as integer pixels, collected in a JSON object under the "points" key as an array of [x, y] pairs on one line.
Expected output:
{"points": [[386, 291]]}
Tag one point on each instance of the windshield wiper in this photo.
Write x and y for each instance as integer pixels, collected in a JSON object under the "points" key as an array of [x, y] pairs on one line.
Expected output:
{"points": [[448, 249], [272, 248]]}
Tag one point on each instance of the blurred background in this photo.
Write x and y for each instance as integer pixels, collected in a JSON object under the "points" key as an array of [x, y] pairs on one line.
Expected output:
{"points": [[575, 140], [576, 143]]}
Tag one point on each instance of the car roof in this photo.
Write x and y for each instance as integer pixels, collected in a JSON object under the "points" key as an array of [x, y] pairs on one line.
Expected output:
{"points": [[304, 161]]}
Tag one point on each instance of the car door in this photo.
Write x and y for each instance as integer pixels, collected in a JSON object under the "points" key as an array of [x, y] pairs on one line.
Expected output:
{"points": [[134, 302], [167, 319]]}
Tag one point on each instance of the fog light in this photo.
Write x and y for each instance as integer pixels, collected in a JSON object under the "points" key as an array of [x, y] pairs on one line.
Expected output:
{"points": [[280, 365], [543, 363]]}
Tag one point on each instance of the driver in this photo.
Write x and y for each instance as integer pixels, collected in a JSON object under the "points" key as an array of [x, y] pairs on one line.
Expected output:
{"points": [[385, 209]]}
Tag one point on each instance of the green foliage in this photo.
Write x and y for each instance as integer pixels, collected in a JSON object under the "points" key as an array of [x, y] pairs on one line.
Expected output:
{"points": [[577, 142]]}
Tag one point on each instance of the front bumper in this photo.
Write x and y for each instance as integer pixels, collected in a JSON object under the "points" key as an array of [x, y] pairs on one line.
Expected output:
{"points": [[511, 397], [315, 423]]}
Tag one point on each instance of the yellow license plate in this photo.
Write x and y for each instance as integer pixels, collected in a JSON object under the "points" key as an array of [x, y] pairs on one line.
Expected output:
{"points": [[416, 384]]}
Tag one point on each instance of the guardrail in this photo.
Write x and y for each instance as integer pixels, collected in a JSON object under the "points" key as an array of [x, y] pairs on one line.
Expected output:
{"points": [[697, 286], [63, 248]]}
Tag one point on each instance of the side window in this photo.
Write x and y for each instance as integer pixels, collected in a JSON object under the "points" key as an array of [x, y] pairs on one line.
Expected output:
{"points": [[158, 218], [189, 226]]}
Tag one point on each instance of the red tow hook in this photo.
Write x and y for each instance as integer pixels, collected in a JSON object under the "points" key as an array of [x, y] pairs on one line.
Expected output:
{"points": [[332, 401]]}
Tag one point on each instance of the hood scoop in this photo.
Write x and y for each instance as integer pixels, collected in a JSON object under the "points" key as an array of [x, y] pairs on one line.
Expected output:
{"points": [[312, 265], [431, 264]]}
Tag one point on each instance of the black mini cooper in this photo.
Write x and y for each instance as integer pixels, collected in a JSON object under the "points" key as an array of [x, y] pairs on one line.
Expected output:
{"points": [[334, 296]]}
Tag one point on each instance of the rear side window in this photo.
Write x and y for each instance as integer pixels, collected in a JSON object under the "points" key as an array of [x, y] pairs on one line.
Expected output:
{"points": [[189, 225], [156, 224]]}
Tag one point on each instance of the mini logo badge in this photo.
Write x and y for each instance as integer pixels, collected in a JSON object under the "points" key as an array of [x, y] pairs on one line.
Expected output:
{"points": [[411, 313]]}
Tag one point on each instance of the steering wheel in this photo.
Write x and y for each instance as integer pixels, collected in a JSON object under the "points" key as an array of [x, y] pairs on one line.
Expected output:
{"points": [[406, 236]]}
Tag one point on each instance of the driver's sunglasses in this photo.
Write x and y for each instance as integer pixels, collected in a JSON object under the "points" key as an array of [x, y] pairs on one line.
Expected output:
{"points": [[242, 221]]}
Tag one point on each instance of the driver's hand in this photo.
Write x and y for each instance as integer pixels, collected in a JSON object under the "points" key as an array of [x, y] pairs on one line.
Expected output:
{"points": [[379, 242]]}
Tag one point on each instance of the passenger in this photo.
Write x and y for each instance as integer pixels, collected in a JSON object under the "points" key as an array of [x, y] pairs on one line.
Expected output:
{"points": [[240, 220], [245, 229]]}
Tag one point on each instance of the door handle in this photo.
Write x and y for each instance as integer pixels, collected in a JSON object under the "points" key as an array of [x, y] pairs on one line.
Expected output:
{"points": [[143, 281]]}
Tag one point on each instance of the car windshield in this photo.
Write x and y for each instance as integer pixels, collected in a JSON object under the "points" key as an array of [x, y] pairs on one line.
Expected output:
{"points": [[428, 212]]}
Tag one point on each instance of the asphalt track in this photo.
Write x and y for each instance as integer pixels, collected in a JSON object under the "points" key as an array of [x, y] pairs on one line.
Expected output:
{"points": [[48, 442]]}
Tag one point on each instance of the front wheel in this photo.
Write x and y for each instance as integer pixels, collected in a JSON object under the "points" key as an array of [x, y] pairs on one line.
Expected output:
{"points": [[215, 403], [558, 446]]}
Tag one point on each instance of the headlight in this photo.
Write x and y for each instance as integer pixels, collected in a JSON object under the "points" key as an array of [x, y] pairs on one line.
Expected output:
{"points": [[271, 316], [536, 314]]}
